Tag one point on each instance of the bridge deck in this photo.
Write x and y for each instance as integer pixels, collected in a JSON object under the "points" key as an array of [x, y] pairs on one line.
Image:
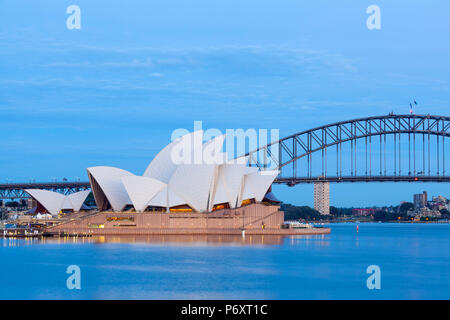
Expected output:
{"points": [[294, 181]]}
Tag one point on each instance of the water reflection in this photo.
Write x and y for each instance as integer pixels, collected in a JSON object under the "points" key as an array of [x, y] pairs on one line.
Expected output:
{"points": [[322, 240], [15, 242], [318, 239], [178, 239], [156, 239]]}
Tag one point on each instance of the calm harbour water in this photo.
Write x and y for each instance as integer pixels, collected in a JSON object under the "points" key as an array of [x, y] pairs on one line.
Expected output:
{"points": [[414, 261]]}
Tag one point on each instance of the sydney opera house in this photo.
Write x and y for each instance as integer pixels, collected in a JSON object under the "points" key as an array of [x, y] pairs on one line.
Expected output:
{"points": [[191, 186]]}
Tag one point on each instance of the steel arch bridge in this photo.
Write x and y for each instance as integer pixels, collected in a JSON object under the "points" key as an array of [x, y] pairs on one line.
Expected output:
{"points": [[375, 149], [390, 148]]}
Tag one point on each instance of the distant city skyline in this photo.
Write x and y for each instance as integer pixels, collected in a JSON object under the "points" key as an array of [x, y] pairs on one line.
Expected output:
{"points": [[115, 90]]}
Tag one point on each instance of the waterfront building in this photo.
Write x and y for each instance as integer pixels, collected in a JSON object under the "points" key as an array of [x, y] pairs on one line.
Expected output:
{"points": [[322, 197], [426, 212], [190, 187], [439, 203], [188, 175], [439, 199]]}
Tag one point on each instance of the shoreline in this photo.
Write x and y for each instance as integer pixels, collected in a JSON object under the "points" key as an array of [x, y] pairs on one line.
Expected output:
{"points": [[85, 232], [253, 219], [393, 221], [187, 232]]}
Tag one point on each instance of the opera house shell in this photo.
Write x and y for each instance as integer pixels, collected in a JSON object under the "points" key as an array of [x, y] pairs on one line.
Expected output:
{"points": [[55, 203], [188, 175]]}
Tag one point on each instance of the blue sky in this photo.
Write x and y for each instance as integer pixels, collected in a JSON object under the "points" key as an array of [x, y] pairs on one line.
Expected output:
{"points": [[113, 92]]}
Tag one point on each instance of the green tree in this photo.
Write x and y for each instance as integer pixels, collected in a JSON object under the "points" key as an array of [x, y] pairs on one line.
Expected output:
{"points": [[292, 212], [379, 216], [445, 213], [405, 207], [12, 204], [3, 215], [340, 211]]}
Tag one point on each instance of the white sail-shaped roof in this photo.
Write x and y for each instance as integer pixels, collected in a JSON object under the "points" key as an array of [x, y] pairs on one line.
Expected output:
{"points": [[51, 201], [163, 165], [193, 183], [77, 199], [256, 184], [110, 181], [167, 198], [220, 193], [229, 183], [66, 205], [247, 171], [212, 151], [141, 190], [250, 170], [213, 155], [54, 202], [160, 199], [187, 171]]}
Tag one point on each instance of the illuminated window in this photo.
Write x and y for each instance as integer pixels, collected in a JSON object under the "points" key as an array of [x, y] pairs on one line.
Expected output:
{"points": [[182, 208], [96, 226], [247, 202], [120, 219], [221, 206]]}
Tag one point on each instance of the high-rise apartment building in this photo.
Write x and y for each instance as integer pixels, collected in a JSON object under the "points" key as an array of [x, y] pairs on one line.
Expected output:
{"points": [[420, 200], [322, 197]]}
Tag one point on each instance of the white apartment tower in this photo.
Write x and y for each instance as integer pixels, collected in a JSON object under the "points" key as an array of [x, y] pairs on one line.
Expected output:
{"points": [[322, 197]]}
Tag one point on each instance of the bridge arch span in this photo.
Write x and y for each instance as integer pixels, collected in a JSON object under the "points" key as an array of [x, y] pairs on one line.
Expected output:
{"points": [[410, 132]]}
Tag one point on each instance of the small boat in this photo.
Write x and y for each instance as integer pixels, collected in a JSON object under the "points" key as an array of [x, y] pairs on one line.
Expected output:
{"points": [[298, 225]]}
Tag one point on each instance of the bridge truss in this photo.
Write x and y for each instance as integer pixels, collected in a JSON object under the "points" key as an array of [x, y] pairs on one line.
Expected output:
{"points": [[383, 148], [14, 191], [393, 148]]}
